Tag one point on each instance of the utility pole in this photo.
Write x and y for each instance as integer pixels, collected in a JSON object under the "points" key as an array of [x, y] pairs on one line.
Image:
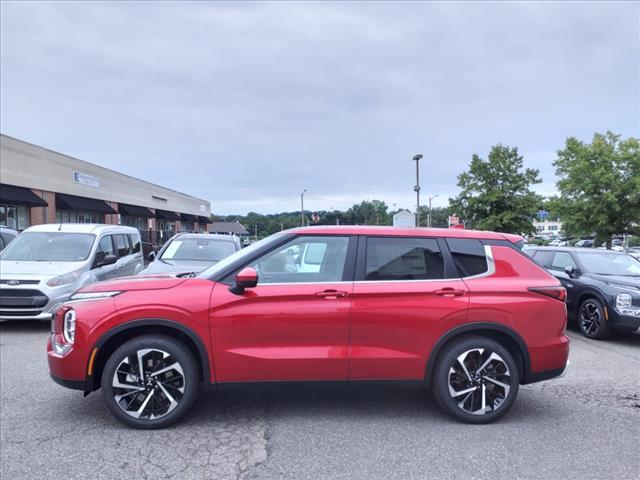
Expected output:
{"points": [[302, 206], [255, 229], [416, 189], [429, 221]]}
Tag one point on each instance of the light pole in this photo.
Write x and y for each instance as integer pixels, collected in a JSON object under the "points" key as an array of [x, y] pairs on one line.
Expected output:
{"points": [[302, 206], [429, 221], [417, 187]]}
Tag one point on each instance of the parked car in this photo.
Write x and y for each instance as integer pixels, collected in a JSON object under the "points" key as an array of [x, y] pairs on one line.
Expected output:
{"points": [[603, 287], [45, 264], [449, 309], [6, 236], [189, 253], [586, 243]]}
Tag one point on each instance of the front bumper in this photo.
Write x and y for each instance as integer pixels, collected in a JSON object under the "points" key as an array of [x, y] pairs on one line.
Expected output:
{"points": [[66, 369], [623, 322]]}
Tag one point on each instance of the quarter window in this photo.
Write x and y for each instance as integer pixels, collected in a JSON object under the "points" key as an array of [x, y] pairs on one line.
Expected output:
{"points": [[403, 259], [304, 260], [468, 255]]}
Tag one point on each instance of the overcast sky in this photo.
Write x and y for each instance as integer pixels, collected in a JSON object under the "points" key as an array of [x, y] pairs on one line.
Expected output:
{"points": [[247, 104]]}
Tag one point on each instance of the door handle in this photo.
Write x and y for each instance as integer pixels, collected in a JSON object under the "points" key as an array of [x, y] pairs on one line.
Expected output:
{"points": [[330, 294], [449, 292]]}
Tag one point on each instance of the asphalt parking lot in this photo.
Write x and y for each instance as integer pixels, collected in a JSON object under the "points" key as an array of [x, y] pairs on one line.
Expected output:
{"points": [[585, 425]]}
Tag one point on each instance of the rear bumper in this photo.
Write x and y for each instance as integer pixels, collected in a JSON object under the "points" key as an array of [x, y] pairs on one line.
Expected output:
{"points": [[548, 361]]}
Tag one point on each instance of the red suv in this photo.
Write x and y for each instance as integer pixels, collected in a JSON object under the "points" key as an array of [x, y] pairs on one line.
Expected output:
{"points": [[462, 312]]}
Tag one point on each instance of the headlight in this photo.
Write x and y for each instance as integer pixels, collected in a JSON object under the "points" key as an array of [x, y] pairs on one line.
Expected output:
{"points": [[624, 305], [92, 295], [623, 300], [65, 279], [69, 329]]}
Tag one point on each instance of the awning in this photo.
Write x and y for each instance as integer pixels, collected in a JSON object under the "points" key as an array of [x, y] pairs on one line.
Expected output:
{"points": [[71, 202], [11, 195], [203, 220], [134, 210], [166, 215], [188, 217]]}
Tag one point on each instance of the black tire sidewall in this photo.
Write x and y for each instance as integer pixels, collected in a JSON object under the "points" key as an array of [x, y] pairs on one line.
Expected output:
{"points": [[176, 349], [441, 380], [603, 329]]}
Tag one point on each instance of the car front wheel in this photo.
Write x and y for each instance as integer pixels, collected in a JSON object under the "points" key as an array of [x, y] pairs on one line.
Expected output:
{"points": [[476, 380], [150, 381], [591, 319]]}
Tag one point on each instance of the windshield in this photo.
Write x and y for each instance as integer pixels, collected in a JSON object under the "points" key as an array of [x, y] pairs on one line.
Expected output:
{"points": [[608, 264], [198, 250], [239, 255], [49, 247]]}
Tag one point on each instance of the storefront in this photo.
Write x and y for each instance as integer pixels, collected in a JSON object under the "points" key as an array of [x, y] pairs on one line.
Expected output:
{"points": [[73, 209], [135, 216], [15, 205]]}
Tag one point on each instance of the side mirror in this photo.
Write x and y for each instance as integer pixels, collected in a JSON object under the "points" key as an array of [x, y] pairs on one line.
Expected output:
{"points": [[245, 278], [152, 256], [570, 270]]}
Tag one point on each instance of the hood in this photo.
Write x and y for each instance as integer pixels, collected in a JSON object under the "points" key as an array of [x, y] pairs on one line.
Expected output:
{"points": [[618, 279], [126, 284], [160, 267], [36, 270]]}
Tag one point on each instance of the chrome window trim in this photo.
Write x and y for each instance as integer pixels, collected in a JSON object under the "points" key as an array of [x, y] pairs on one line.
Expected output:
{"points": [[491, 269], [491, 265]]}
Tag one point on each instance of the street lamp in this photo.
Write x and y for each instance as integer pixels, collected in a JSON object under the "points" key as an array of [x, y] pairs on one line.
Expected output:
{"points": [[430, 198], [302, 206], [416, 189]]}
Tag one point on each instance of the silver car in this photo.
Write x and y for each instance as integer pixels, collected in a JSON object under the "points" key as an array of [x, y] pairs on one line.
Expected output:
{"points": [[46, 264], [190, 253]]}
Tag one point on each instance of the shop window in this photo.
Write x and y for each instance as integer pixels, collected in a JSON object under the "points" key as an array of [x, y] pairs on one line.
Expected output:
{"points": [[14, 216]]}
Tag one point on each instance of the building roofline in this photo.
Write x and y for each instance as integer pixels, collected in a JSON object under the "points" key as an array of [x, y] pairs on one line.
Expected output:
{"points": [[105, 168]]}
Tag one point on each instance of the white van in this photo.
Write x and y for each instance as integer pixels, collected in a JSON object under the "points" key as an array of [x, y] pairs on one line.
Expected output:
{"points": [[46, 264]]}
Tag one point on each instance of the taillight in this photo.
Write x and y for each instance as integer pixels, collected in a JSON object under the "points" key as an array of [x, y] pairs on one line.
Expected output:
{"points": [[559, 293]]}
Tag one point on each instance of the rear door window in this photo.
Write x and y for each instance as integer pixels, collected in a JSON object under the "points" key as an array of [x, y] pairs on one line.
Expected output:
{"points": [[544, 258], [122, 245], [403, 259], [135, 242], [468, 255], [562, 260]]}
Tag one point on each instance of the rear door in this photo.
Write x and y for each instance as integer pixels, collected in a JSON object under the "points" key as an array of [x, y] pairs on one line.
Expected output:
{"points": [[124, 266], [560, 261], [404, 295]]}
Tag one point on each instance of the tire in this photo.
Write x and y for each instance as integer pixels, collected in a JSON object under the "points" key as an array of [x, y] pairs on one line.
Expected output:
{"points": [[165, 391], [459, 387], [591, 319]]}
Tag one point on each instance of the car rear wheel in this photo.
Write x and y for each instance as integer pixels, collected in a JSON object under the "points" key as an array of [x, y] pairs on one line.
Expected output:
{"points": [[150, 381], [476, 380], [591, 319]]}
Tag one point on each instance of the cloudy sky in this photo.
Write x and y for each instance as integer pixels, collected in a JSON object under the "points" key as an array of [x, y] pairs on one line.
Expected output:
{"points": [[247, 104]]}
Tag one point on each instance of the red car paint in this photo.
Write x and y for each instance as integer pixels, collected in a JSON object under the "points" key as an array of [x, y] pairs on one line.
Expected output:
{"points": [[345, 330]]}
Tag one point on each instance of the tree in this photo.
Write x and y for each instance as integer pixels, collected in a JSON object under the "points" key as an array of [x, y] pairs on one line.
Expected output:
{"points": [[373, 212], [496, 193], [600, 186]]}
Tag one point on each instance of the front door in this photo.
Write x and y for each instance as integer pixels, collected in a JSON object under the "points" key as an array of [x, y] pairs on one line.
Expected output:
{"points": [[402, 298], [294, 325]]}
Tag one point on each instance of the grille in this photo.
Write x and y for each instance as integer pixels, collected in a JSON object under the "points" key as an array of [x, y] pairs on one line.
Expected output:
{"points": [[20, 313], [20, 282], [22, 298]]}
